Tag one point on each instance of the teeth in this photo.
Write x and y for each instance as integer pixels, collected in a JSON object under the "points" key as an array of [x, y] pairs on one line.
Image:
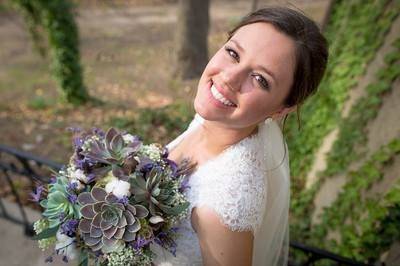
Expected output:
{"points": [[218, 96]]}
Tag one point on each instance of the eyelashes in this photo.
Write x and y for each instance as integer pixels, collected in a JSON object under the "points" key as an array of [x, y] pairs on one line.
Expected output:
{"points": [[261, 80], [232, 53], [258, 77]]}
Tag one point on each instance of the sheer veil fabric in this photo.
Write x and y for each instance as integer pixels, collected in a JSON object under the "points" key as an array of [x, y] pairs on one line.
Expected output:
{"points": [[271, 240], [271, 243]]}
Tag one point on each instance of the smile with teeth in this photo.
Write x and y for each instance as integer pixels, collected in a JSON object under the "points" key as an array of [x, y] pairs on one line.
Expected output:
{"points": [[218, 96]]}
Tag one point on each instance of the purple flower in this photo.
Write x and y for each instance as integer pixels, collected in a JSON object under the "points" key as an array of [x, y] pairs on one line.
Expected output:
{"points": [[72, 198], [35, 196], [98, 253], [124, 200], [173, 250], [174, 229], [184, 185], [72, 186], [141, 242], [91, 177], [158, 241], [164, 153], [164, 240], [78, 142], [69, 227], [61, 216], [147, 167], [53, 180], [173, 165], [98, 132], [65, 259]]}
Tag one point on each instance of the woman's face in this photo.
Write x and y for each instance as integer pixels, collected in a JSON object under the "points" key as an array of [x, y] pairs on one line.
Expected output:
{"points": [[249, 78]]}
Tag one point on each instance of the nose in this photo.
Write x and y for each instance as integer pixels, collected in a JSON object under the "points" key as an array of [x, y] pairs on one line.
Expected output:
{"points": [[232, 78]]}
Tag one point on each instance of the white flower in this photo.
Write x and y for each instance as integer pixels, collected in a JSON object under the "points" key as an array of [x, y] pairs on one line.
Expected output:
{"points": [[79, 175], [118, 187], [153, 151], [128, 138], [66, 246]]}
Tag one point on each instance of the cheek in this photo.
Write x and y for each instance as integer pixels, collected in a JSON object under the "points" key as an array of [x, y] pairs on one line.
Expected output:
{"points": [[216, 64], [259, 105]]}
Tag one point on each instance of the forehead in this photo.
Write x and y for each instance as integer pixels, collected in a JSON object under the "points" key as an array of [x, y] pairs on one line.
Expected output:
{"points": [[264, 45]]}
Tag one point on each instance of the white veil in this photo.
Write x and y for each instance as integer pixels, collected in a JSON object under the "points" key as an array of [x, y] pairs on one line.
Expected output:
{"points": [[271, 242]]}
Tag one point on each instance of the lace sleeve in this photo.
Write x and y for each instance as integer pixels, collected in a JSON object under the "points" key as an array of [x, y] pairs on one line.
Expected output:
{"points": [[234, 188]]}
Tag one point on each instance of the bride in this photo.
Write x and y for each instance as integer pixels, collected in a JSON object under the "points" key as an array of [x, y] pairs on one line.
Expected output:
{"points": [[239, 192]]}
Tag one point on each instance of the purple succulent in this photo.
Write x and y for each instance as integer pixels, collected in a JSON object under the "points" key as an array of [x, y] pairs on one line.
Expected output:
{"points": [[105, 221], [112, 150]]}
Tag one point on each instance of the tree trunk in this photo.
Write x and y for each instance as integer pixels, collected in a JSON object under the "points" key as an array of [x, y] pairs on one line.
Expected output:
{"points": [[192, 32], [327, 15], [254, 5]]}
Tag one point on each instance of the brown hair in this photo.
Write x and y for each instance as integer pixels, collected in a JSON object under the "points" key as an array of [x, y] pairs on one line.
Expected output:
{"points": [[311, 48]]}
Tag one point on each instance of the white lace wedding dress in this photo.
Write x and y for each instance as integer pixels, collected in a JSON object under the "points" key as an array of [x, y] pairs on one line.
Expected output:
{"points": [[238, 187]]}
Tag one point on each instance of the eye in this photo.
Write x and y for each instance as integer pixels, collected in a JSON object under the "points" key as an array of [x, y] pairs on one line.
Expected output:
{"points": [[262, 81], [232, 53]]}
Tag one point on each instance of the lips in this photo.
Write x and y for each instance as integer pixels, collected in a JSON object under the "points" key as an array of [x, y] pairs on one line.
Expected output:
{"points": [[220, 96], [221, 92]]}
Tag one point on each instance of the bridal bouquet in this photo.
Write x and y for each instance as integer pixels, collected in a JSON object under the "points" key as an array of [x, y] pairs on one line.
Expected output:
{"points": [[115, 198]]}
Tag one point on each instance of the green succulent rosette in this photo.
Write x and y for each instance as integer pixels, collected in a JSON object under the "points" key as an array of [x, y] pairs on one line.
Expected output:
{"points": [[57, 206]]}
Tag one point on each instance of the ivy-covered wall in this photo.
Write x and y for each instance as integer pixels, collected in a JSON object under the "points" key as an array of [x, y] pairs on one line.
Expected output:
{"points": [[364, 227]]}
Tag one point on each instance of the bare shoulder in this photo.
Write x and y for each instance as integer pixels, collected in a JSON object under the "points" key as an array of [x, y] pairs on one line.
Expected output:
{"points": [[219, 244]]}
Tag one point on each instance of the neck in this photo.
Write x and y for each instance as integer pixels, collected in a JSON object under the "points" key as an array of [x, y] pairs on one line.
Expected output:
{"points": [[215, 137]]}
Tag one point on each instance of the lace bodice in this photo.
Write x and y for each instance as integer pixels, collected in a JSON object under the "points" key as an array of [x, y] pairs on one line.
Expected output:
{"points": [[232, 184]]}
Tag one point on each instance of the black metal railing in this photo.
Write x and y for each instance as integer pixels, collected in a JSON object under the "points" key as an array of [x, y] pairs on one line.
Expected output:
{"points": [[30, 168], [316, 255], [14, 163]]}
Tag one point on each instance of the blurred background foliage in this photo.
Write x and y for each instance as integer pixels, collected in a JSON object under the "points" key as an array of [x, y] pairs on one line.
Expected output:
{"points": [[129, 56]]}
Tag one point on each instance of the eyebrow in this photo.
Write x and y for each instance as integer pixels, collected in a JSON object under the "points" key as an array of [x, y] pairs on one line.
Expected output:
{"points": [[261, 67]]}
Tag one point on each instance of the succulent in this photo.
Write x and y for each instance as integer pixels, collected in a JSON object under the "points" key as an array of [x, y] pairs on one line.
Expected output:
{"points": [[57, 205], [151, 191], [112, 150], [106, 224]]}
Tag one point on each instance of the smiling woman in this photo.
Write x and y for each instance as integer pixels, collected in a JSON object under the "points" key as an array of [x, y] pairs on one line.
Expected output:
{"points": [[239, 193]]}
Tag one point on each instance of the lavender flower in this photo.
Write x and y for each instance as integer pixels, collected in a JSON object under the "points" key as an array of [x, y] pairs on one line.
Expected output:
{"points": [[164, 153], [35, 196], [184, 185], [173, 166], [98, 132], [140, 242], [61, 216], [124, 200], [78, 143], [69, 227], [72, 198], [72, 186], [53, 180], [90, 178]]}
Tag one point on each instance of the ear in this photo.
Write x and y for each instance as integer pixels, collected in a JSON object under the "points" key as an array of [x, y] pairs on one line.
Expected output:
{"points": [[284, 110]]}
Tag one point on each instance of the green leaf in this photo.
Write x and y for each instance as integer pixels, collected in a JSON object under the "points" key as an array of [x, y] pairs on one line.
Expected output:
{"points": [[174, 210], [83, 259], [46, 233]]}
